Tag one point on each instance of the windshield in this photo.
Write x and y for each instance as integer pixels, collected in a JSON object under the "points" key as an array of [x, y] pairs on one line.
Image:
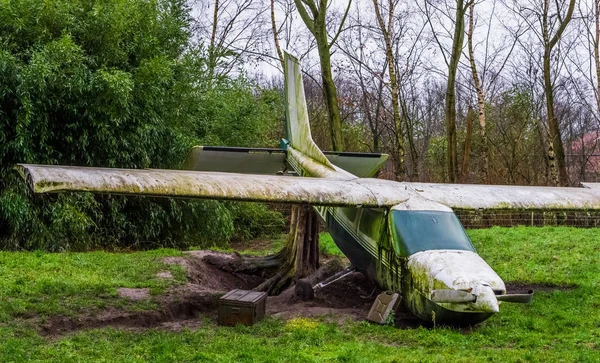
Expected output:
{"points": [[417, 231]]}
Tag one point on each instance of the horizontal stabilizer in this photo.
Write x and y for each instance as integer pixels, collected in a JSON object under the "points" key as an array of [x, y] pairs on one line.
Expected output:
{"points": [[363, 165], [268, 161], [235, 160], [211, 185]]}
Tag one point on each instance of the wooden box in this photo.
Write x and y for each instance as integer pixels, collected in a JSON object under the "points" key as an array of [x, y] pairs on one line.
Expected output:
{"points": [[241, 307]]}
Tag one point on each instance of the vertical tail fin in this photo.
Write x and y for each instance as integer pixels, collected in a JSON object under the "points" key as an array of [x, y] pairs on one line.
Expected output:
{"points": [[296, 113]]}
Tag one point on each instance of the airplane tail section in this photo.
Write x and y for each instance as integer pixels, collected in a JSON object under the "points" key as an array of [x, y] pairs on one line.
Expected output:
{"points": [[301, 155], [296, 113]]}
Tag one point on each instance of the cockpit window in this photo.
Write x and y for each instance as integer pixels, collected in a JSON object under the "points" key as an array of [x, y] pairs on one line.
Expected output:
{"points": [[417, 231]]}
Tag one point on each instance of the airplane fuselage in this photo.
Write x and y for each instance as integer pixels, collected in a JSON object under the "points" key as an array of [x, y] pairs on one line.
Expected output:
{"points": [[367, 238], [417, 248]]}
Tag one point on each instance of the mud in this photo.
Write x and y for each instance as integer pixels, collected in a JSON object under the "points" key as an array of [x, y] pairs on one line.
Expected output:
{"points": [[346, 299], [195, 303], [174, 316], [520, 287]]}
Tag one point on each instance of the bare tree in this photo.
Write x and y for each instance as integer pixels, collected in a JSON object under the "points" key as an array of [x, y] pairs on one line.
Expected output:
{"points": [[387, 29], [494, 62], [548, 22], [452, 63], [233, 29], [276, 34], [300, 255], [480, 97], [556, 152], [314, 16]]}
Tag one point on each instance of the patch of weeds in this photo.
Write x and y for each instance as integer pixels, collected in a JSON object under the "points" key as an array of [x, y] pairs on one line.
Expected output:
{"points": [[327, 246]]}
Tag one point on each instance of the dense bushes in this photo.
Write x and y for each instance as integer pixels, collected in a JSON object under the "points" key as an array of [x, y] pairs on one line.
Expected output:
{"points": [[114, 83]]}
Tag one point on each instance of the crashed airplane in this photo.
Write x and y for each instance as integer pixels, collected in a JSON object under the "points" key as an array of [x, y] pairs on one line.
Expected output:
{"points": [[404, 236]]}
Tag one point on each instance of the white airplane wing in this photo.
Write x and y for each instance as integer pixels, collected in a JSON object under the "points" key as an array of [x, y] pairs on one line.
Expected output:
{"points": [[213, 185], [473, 196]]}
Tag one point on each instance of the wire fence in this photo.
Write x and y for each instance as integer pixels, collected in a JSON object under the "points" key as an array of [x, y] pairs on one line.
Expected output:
{"points": [[536, 218], [472, 219]]}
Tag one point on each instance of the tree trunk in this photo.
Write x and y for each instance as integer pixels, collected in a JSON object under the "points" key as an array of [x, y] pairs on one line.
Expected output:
{"points": [[212, 48], [297, 259], [329, 91], [314, 17], [553, 132], [597, 51], [412, 174], [300, 255], [485, 158], [450, 109], [467, 150], [274, 30], [398, 129], [556, 151]]}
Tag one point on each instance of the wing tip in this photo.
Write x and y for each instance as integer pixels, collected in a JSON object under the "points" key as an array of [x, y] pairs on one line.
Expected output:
{"points": [[23, 170]]}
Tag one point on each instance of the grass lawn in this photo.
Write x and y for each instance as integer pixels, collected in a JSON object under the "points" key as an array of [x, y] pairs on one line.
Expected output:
{"points": [[560, 325]]}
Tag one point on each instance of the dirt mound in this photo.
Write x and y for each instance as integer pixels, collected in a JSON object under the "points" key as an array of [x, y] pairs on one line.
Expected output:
{"points": [[354, 291], [210, 278], [183, 305]]}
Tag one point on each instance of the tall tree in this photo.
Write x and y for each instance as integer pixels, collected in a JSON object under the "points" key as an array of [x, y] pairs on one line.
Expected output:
{"points": [[495, 57], [275, 34], [387, 32], [452, 63], [556, 152], [480, 97], [596, 40], [314, 17], [457, 45]]}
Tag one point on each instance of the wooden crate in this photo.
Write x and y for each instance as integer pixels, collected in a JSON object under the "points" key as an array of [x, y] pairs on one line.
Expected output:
{"points": [[241, 307]]}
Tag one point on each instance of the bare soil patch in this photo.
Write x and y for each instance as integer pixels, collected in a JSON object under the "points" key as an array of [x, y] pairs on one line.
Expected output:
{"points": [[165, 275], [520, 287], [348, 298], [185, 306], [134, 294]]}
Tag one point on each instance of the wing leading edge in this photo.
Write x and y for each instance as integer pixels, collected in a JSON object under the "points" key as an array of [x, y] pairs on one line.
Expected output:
{"points": [[488, 197], [208, 185]]}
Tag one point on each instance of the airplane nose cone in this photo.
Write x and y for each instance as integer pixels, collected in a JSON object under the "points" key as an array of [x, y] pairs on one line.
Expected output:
{"points": [[486, 299]]}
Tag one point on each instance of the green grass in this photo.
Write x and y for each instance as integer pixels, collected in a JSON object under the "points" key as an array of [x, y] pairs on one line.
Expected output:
{"points": [[557, 326], [38, 283], [327, 247]]}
